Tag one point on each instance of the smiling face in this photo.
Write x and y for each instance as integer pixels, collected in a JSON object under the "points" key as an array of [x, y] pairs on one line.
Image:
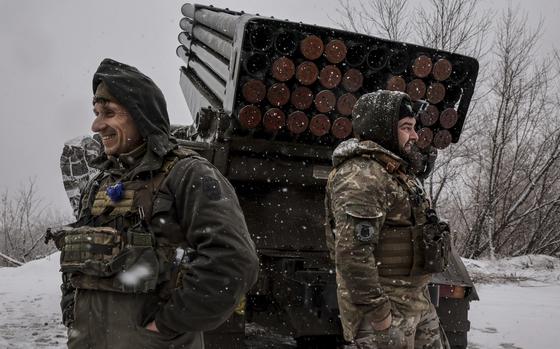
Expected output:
{"points": [[407, 134], [116, 127]]}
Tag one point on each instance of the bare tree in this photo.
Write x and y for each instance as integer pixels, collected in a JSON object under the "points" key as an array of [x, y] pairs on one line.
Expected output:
{"points": [[447, 171], [385, 18], [23, 221], [518, 144], [454, 26]]}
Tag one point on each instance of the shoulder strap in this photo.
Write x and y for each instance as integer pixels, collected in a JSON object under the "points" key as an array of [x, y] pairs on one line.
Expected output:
{"points": [[169, 162], [331, 175], [184, 152], [174, 156], [412, 187], [88, 195], [395, 168], [390, 164]]}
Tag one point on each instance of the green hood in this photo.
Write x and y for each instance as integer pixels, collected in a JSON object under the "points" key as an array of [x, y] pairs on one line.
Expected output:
{"points": [[375, 117], [145, 103], [142, 99]]}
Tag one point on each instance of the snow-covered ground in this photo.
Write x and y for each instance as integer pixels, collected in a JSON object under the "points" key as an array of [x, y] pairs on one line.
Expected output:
{"points": [[29, 306], [519, 307]]}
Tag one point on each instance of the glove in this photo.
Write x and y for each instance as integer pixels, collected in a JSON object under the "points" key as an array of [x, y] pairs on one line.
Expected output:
{"points": [[393, 337]]}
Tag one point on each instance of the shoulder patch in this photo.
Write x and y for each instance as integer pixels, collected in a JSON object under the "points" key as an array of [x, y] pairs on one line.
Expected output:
{"points": [[211, 188], [365, 232]]}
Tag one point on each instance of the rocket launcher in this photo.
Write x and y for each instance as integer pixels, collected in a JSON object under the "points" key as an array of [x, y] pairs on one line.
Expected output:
{"points": [[274, 79]]}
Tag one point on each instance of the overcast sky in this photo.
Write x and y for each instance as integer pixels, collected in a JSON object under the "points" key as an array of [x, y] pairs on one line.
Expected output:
{"points": [[50, 50]]}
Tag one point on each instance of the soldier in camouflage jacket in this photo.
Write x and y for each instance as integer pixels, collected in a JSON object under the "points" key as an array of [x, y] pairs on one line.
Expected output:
{"points": [[375, 209]]}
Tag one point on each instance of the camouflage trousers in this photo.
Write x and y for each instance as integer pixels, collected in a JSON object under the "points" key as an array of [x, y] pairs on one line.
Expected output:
{"points": [[407, 331]]}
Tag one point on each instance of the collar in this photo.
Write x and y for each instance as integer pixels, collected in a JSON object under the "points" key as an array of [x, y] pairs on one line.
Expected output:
{"points": [[132, 159], [354, 147], [131, 164]]}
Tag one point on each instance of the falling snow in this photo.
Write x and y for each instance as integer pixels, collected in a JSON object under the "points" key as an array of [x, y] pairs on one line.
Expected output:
{"points": [[135, 275]]}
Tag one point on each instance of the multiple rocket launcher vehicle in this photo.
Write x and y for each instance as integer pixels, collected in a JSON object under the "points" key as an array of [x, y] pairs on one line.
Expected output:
{"points": [[270, 100]]}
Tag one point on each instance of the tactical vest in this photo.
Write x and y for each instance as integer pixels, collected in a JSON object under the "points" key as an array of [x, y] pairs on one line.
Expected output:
{"points": [[401, 250], [112, 247]]}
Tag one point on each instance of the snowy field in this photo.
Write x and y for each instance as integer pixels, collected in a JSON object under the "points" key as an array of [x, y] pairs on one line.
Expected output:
{"points": [[519, 307], [29, 306]]}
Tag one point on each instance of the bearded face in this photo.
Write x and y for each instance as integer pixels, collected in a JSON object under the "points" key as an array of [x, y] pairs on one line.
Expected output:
{"points": [[406, 134]]}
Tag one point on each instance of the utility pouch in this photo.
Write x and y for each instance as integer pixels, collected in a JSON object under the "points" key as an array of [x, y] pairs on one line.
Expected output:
{"points": [[90, 250], [437, 246], [138, 265], [102, 258]]}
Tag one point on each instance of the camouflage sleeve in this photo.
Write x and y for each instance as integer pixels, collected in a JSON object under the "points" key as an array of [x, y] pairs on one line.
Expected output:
{"points": [[329, 225], [225, 265], [359, 203]]}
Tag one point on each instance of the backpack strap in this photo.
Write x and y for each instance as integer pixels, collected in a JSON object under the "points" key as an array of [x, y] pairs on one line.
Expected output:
{"points": [[392, 165], [157, 180], [398, 171]]}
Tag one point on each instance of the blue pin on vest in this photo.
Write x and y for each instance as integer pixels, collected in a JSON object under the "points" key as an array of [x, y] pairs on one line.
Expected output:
{"points": [[116, 192]]}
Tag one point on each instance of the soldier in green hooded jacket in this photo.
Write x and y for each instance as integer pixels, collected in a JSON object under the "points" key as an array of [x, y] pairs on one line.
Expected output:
{"points": [[380, 230], [160, 251]]}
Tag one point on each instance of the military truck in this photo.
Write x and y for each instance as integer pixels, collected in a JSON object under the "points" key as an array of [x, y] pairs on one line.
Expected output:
{"points": [[270, 100]]}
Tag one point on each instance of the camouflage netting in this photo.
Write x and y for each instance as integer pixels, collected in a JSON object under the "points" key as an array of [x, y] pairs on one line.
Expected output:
{"points": [[74, 164]]}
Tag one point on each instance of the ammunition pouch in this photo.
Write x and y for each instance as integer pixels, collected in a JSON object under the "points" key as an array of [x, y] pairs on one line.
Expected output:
{"points": [[437, 246], [102, 258], [90, 250], [139, 264]]}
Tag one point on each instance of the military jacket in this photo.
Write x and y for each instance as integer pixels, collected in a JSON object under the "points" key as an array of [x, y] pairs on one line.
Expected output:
{"points": [[374, 211], [194, 208]]}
